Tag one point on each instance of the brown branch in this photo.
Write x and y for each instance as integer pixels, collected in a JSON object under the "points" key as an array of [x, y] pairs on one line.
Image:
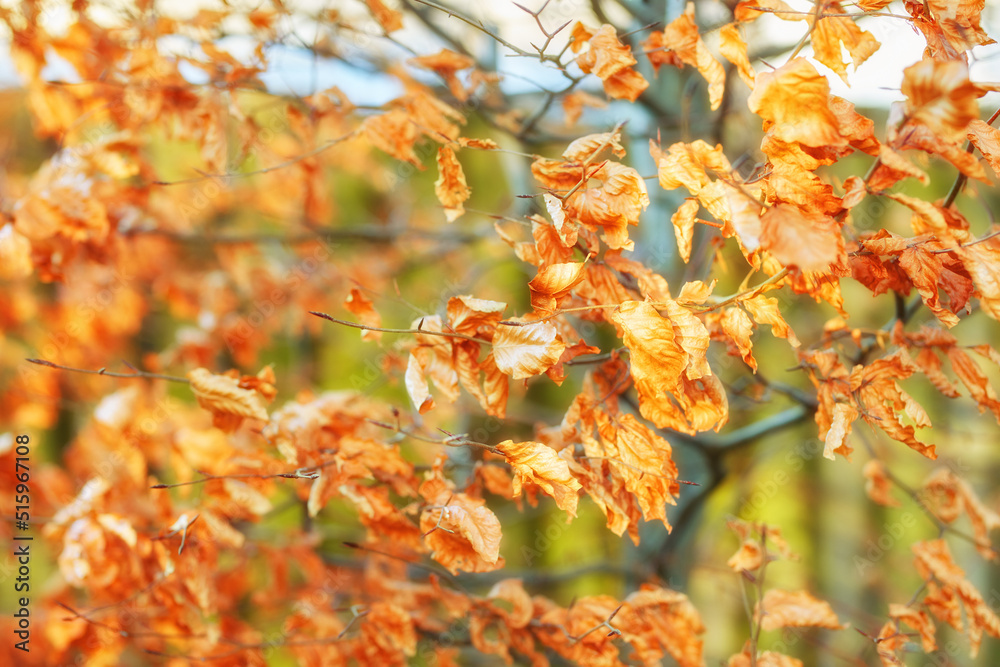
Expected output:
{"points": [[370, 233], [136, 374], [306, 472]]}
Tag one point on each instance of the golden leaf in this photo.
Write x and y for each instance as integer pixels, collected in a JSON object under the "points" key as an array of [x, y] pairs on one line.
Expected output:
{"points": [[810, 241], [796, 98], [798, 609], [526, 350], [222, 396], [445, 64], [536, 463], [680, 44], [363, 308], [390, 19], [878, 486], [734, 49], [450, 187], [462, 533], [612, 62]]}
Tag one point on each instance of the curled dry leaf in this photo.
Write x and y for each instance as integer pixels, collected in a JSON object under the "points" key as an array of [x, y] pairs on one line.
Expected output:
{"points": [[940, 95], [612, 62], [836, 32], [527, 350], [553, 283], [987, 139], [658, 622], [450, 187], [795, 609], [878, 486], [588, 148], [362, 307], [447, 64], [574, 102], [809, 241], [919, 621], [463, 534], [680, 44], [947, 496], [390, 19], [734, 49], [226, 400], [982, 261], [796, 98], [675, 385], [951, 597], [536, 463]]}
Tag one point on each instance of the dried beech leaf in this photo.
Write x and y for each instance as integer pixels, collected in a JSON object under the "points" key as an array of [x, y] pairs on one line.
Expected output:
{"points": [[527, 350]]}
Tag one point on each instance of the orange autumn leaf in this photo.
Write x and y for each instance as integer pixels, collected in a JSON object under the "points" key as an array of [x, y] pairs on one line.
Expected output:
{"points": [[393, 132], [739, 327], [959, 22], [553, 283], [948, 496], [680, 44], [919, 621], [982, 261], [734, 49], [446, 64], [574, 102], [952, 597], [526, 350], [613, 206], [450, 187], [880, 399], [796, 99], [683, 221], [431, 360], [588, 148], [675, 386], [611, 61], [363, 308], [535, 463], [390, 19], [878, 486], [658, 622], [748, 557], [462, 533], [470, 316], [764, 310], [748, 10], [835, 439], [643, 461], [832, 34], [987, 139], [463, 537], [809, 241], [940, 95], [795, 609], [226, 400]]}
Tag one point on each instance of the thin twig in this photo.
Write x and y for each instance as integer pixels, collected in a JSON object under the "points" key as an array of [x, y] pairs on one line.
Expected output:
{"points": [[357, 325], [130, 376]]}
